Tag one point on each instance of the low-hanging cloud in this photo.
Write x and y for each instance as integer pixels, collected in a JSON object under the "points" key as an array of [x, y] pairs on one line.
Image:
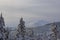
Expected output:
{"points": [[31, 10]]}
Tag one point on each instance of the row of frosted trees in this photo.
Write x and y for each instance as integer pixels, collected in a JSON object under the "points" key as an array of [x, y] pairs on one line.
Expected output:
{"points": [[22, 32]]}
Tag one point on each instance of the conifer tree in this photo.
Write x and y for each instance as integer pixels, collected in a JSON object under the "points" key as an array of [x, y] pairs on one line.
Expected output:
{"points": [[54, 30], [21, 28], [2, 29]]}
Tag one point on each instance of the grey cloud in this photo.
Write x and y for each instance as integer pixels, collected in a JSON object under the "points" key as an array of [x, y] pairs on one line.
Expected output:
{"points": [[48, 10]]}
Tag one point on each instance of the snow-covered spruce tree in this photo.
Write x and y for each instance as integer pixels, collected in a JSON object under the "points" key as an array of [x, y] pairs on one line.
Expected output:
{"points": [[21, 29], [54, 30], [2, 29]]}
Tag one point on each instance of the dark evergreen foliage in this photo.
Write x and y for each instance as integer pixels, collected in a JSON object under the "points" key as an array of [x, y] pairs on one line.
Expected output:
{"points": [[21, 29]]}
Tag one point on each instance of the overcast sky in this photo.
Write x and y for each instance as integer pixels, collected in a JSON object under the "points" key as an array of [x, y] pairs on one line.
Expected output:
{"points": [[31, 10]]}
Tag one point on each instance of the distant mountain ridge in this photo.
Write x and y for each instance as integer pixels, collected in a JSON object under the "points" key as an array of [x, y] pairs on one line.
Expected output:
{"points": [[40, 23], [57, 23], [45, 28]]}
